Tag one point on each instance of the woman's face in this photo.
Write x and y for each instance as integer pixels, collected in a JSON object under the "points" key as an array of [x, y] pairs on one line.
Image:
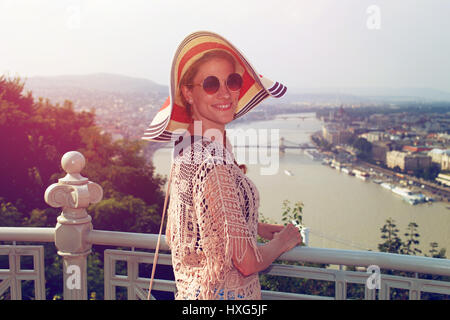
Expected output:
{"points": [[214, 110]]}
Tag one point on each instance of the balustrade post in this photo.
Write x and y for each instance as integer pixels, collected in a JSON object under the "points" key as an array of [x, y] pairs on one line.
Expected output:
{"points": [[73, 194], [305, 236]]}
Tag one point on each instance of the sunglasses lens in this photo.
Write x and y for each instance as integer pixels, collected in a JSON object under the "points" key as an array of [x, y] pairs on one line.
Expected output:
{"points": [[234, 82], [211, 84]]}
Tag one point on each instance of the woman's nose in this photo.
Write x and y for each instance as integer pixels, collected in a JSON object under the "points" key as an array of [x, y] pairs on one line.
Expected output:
{"points": [[223, 91]]}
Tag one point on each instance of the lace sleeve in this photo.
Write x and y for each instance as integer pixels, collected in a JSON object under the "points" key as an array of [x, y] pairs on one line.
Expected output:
{"points": [[224, 232]]}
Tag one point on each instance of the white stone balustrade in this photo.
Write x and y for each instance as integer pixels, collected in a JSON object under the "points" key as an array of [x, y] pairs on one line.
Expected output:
{"points": [[74, 236], [73, 193]]}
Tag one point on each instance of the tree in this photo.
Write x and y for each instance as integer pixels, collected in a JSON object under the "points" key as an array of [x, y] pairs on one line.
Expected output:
{"points": [[321, 143], [121, 170], [292, 214], [394, 244], [128, 214], [364, 147], [435, 253], [431, 172], [35, 135], [389, 233], [412, 240], [295, 285], [9, 214]]}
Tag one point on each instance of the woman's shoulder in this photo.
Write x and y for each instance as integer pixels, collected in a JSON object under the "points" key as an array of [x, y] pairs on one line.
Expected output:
{"points": [[197, 150]]}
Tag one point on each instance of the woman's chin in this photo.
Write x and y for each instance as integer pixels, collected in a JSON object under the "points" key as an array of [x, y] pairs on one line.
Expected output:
{"points": [[223, 116]]}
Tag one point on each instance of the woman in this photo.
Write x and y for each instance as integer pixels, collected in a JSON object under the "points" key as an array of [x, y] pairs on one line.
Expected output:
{"points": [[213, 211]]}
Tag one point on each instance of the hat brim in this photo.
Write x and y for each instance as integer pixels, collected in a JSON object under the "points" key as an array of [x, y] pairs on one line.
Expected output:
{"points": [[172, 119]]}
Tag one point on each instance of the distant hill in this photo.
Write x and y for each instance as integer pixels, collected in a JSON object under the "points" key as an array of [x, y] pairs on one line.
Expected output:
{"points": [[366, 94], [70, 86], [104, 82]]}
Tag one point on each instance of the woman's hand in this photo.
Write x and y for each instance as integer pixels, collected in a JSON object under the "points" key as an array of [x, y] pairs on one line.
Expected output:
{"points": [[289, 237], [282, 239], [267, 231]]}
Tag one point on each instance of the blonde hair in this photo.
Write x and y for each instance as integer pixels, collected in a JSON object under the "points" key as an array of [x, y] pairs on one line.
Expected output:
{"points": [[190, 74]]}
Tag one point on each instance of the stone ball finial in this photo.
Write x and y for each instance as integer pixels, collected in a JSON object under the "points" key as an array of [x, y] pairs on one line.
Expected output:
{"points": [[73, 162]]}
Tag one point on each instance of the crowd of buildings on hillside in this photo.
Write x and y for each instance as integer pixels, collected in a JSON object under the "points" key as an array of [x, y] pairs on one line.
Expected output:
{"points": [[126, 115], [400, 141], [121, 114]]}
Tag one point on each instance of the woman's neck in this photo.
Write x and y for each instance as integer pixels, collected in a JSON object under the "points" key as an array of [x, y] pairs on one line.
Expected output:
{"points": [[214, 133]]}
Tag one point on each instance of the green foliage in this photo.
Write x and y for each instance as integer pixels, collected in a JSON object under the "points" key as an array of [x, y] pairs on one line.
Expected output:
{"points": [[128, 214], [428, 173], [364, 148], [394, 244], [292, 214], [124, 172], [295, 285], [389, 233], [35, 135], [434, 253], [9, 214], [321, 143], [412, 240], [95, 276]]}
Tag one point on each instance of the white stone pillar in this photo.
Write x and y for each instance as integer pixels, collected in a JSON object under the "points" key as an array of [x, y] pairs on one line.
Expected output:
{"points": [[73, 193], [305, 235]]}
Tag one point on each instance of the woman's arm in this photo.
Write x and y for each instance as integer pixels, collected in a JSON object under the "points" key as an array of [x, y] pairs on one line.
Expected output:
{"points": [[282, 241], [226, 239], [267, 231]]}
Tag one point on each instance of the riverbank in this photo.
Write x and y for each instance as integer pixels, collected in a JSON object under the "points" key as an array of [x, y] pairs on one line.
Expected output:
{"points": [[365, 170]]}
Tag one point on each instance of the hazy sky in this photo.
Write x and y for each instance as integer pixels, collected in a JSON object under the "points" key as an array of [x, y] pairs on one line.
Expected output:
{"points": [[315, 43]]}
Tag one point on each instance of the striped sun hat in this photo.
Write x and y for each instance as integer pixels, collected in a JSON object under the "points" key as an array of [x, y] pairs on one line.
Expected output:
{"points": [[173, 119]]}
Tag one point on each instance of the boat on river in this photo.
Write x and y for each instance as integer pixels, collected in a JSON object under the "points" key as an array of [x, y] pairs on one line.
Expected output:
{"points": [[361, 174], [409, 196], [387, 186]]}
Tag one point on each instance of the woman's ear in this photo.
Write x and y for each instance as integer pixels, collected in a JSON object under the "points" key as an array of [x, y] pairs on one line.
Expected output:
{"points": [[187, 94]]}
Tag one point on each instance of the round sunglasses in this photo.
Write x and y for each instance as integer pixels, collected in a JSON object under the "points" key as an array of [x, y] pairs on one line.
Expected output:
{"points": [[211, 84]]}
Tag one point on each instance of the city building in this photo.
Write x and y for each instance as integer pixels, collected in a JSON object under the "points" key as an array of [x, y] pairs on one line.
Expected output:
{"points": [[412, 149], [373, 136], [406, 161], [380, 149], [440, 157], [445, 162], [444, 179], [335, 134]]}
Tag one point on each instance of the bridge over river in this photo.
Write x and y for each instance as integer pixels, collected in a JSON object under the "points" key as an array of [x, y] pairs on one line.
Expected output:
{"points": [[283, 145]]}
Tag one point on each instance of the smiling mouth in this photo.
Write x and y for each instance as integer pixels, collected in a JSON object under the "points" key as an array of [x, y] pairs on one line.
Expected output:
{"points": [[222, 107]]}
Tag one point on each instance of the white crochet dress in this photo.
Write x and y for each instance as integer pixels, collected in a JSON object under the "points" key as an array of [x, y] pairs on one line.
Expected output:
{"points": [[212, 214]]}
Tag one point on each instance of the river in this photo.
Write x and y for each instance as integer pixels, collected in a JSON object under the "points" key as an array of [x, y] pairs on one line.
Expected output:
{"points": [[341, 211]]}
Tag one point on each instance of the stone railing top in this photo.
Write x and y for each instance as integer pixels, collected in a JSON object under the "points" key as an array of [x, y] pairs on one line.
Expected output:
{"points": [[72, 163], [73, 191]]}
